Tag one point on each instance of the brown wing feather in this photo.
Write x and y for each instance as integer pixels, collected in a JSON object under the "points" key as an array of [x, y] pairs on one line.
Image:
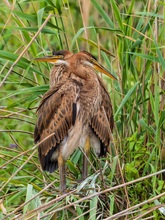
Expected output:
{"points": [[55, 114], [102, 121], [45, 111]]}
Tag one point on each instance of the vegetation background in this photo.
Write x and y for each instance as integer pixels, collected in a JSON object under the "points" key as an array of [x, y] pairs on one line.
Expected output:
{"points": [[128, 38]]}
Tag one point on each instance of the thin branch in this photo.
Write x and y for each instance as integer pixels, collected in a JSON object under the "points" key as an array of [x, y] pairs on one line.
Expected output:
{"points": [[126, 211], [45, 206]]}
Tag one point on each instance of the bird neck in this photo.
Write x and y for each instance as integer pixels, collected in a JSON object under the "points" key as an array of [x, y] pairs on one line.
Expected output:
{"points": [[58, 74]]}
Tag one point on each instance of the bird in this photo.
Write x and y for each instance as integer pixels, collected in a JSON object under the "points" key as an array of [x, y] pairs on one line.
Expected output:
{"points": [[76, 111]]}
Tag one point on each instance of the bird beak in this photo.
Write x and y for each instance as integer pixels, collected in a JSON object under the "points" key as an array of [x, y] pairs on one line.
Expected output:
{"points": [[101, 69], [49, 59]]}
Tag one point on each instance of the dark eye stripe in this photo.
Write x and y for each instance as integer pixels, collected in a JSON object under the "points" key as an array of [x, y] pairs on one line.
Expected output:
{"points": [[60, 52]]}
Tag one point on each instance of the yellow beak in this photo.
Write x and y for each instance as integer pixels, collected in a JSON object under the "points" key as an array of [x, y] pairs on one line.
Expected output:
{"points": [[49, 59], [100, 68]]}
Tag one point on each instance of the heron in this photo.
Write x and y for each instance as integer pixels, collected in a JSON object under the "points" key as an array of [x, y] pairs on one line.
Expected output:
{"points": [[76, 110]]}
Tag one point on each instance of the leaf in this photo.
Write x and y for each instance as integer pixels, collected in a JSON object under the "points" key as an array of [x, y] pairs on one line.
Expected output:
{"points": [[103, 13], [93, 207], [91, 27], [32, 29], [29, 194], [23, 62], [125, 99], [117, 13], [72, 168], [31, 90], [92, 43], [161, 209], [145, 56]]}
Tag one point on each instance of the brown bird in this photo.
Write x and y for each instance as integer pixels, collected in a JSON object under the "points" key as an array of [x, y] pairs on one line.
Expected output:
{"points": [[77, 110]]}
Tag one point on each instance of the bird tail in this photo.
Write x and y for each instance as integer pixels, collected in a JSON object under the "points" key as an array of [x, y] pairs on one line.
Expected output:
{"points": [[47, 163]]}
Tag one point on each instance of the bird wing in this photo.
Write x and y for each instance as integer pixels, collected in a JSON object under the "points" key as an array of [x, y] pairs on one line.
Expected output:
{"points": [[56, 114], [102, 121]]}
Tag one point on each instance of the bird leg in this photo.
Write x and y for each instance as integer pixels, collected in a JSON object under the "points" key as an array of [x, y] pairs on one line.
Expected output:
{"points": [[85, 160], [61, 164]]}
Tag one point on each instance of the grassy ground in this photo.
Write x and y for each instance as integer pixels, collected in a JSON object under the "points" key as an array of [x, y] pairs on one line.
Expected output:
{"points": [[128, 38]]}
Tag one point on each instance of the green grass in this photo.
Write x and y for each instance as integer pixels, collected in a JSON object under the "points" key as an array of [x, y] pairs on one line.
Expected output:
{"points": [[127, 37]]}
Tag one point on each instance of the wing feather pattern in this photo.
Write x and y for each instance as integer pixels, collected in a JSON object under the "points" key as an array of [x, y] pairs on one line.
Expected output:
{"points": [[56, 113], [102, 122]]}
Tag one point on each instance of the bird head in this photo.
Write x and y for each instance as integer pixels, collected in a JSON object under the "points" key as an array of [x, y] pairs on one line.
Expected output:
{"points": [[90, 61], [58, 57]]}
